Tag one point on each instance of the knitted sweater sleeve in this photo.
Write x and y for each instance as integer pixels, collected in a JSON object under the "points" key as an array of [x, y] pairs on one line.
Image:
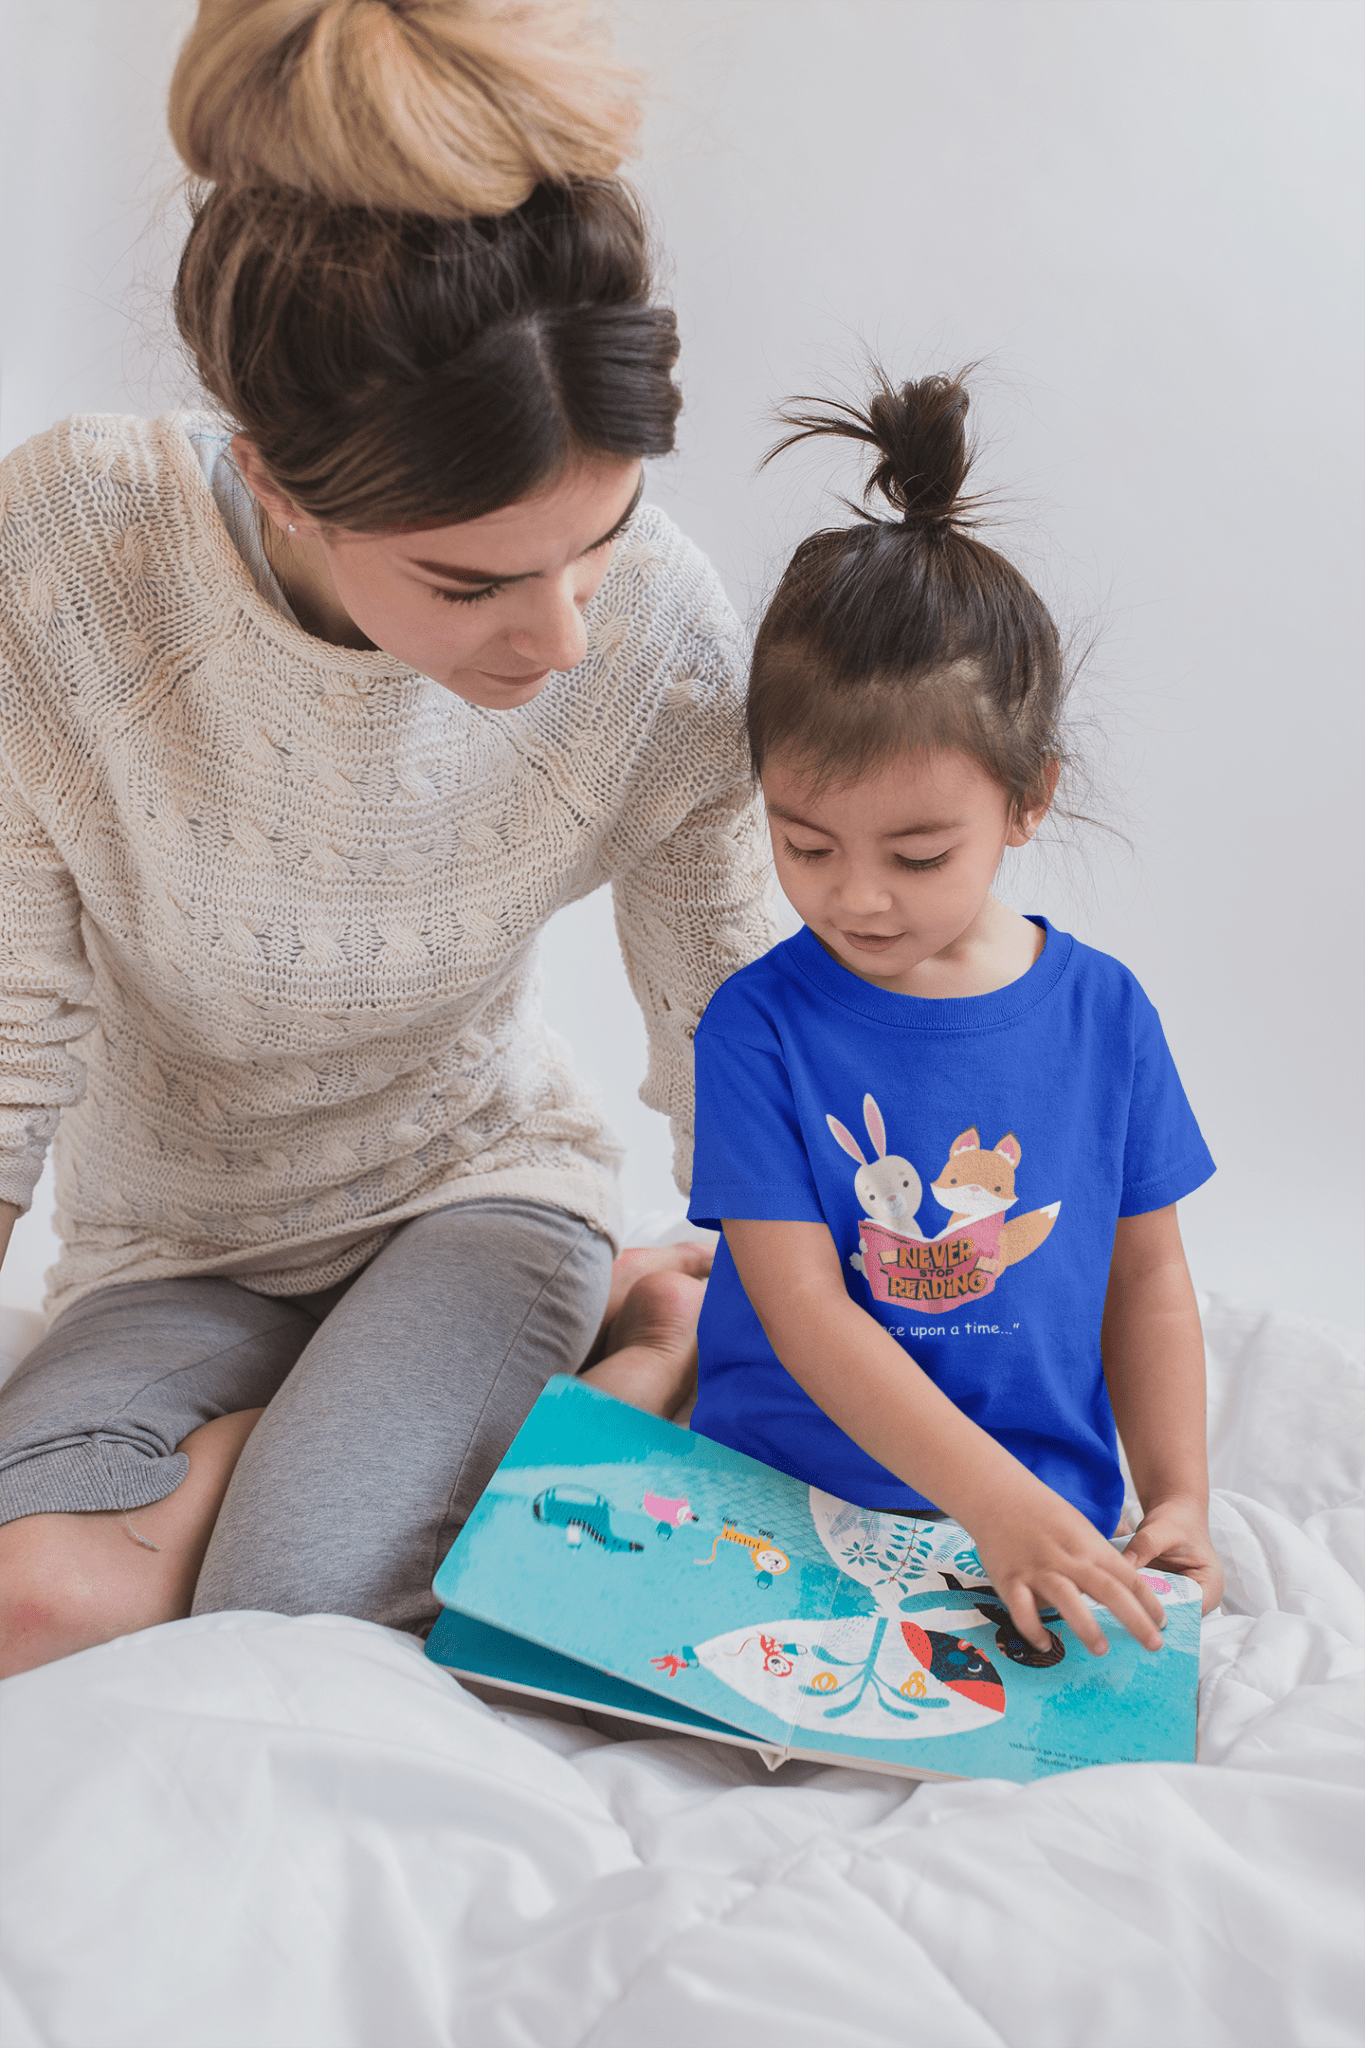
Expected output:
{"points": [[693, 906], [44, 979]]}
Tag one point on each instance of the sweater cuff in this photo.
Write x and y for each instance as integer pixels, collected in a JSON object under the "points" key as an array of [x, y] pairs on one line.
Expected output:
{"points": [[20, 1173]]}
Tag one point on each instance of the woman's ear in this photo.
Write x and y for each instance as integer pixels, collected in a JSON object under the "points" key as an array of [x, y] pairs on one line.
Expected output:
{"points": [[1028, 817], [257, 478]]}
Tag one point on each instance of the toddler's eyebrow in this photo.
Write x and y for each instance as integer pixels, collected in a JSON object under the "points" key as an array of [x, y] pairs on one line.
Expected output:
{"points": [[494, 576], [925, 831]]}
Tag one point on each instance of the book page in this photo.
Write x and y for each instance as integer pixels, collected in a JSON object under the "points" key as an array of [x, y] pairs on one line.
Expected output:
{"points": [[745, 1596], [621, 1541]]}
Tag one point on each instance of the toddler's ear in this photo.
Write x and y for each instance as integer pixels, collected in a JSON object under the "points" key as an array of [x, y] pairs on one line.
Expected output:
{"points": [[846, 1139], [1027, 819], [876, 1129], [969, 1141], [1010, 1148]]}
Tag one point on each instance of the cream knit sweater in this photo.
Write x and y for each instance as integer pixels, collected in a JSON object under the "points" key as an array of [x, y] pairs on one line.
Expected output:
{"points": [[268, 908]]}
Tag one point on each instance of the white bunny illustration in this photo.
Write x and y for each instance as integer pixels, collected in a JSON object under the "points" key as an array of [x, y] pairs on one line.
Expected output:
{"points": [[888, 1187]]}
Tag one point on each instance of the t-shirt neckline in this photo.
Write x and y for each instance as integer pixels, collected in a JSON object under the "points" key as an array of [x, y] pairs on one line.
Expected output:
{"points": [[807, 956]]}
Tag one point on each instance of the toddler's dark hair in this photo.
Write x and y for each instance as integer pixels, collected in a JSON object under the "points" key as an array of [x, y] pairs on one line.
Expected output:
{"points": [[906, 634]]}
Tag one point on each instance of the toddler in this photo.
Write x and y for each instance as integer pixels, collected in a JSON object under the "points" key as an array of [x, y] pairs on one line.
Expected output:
{"points": [[944, 1142]]}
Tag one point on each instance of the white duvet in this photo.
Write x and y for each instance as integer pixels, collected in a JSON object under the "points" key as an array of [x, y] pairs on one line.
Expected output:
{"points": [[251, 1832]]}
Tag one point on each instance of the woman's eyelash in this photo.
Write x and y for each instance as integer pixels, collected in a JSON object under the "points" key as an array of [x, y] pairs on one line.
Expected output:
{"points": [[478, 596]]}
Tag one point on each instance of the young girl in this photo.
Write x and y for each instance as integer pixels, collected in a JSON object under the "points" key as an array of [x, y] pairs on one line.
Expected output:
{"points": [[944, 1141]]}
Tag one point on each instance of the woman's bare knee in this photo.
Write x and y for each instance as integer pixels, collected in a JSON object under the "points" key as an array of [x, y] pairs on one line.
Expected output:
{"points": [[68, 1581]]}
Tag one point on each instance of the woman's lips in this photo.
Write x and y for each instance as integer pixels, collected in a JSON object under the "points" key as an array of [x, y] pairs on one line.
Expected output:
{"points": [[515, 682]]}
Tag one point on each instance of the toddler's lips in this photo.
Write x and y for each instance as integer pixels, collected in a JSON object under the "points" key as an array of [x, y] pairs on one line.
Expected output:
{"points": [[870, 942]]}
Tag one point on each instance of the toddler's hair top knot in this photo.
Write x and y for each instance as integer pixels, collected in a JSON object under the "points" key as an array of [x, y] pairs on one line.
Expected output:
{"points": [[906, 634], [920, 434]]}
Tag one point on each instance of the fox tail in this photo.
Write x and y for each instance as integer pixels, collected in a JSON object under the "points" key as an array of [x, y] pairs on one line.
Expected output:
{"points": [[1024, 1234]]}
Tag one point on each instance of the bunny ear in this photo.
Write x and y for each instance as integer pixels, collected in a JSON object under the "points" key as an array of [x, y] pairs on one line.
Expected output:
{"points": [[968, 1141], [1010, 1148], [876, 1129], [846, 1139]]}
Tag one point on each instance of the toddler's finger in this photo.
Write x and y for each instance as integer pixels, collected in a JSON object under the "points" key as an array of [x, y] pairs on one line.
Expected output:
{"points": [[1132, 1609], [1080, 1618], [1024, 1614], [1132, 1582]]}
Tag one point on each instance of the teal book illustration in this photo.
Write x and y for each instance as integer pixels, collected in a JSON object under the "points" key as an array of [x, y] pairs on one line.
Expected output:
{"points": [[623, 1564]]}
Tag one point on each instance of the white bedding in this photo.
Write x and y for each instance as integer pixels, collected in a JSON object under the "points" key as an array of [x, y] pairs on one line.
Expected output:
{"points": [[251, 1832]]}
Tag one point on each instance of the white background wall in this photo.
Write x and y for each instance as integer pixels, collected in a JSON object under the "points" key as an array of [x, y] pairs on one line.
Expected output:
{"points": [[1144, 217]]}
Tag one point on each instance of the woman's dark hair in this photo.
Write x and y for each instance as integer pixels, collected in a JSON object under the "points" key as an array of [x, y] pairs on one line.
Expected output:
{"points": [[414, 281], [906, 634]]}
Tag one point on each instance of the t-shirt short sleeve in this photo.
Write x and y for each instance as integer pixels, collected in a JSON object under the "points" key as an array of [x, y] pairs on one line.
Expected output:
{"points": [[750, 1158], [1165, 1157]]}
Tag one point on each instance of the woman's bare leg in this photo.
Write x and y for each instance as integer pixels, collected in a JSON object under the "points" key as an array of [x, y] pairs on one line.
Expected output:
{"points": [[647, 1351], [70, 1581]]}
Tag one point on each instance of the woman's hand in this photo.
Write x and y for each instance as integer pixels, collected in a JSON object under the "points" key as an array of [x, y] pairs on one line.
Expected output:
{"points": [[1174, 1536], [1038, 1551]]}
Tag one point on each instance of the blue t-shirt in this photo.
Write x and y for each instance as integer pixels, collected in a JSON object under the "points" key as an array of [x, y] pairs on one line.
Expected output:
{"points": [[971, 1157]]}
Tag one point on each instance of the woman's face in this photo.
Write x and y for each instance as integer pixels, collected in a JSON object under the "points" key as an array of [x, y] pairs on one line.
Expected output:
{"points": [[489, 608]]}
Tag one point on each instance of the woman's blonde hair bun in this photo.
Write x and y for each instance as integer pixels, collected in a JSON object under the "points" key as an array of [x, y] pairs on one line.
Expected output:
{"points": [[441, 107]]}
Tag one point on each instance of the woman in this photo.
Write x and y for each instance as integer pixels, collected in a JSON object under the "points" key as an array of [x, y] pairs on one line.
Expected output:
{"points": [[307, 725]]}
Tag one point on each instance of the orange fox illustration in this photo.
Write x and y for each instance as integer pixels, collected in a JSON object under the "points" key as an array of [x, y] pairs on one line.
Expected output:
{"points": [[978, 1186], [955, 1268]]}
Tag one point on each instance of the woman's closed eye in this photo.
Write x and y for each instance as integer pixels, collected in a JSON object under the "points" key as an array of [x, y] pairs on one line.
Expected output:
{"points": [[608, 540]]}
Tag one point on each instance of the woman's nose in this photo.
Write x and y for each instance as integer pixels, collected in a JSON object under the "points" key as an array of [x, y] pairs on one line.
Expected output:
{"points": [[554, 635]]}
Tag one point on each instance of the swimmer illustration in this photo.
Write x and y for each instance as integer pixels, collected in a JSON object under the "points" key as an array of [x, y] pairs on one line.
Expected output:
{"points": [[768, 1559], [778, 1658], [668, 1514], [674, 1661], [579, 1512]]}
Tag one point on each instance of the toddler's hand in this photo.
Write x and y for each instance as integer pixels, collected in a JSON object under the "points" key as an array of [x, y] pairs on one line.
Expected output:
{"points": [[1174, 1536], [1038, 1551]]}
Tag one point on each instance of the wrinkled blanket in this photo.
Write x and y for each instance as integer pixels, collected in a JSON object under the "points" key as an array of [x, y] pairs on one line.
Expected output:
{"points": [[251, 1832]]}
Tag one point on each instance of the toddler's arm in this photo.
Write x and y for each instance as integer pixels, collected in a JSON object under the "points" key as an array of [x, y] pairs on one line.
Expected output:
{"points": [[1153, 1350], [1037, 1549]]}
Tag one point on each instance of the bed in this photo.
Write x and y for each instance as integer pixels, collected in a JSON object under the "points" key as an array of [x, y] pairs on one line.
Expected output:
{"points": [[244, 1831]]}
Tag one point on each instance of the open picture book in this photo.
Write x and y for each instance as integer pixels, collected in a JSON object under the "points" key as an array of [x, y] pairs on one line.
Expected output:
{"points": [[621, 1564]]}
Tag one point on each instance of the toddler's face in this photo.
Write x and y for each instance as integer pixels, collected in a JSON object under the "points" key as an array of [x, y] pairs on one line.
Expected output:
{"points": [[895, 869]]}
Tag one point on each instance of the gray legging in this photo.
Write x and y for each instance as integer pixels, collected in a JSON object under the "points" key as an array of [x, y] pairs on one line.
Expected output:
{"points": [[390, 1401]]}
